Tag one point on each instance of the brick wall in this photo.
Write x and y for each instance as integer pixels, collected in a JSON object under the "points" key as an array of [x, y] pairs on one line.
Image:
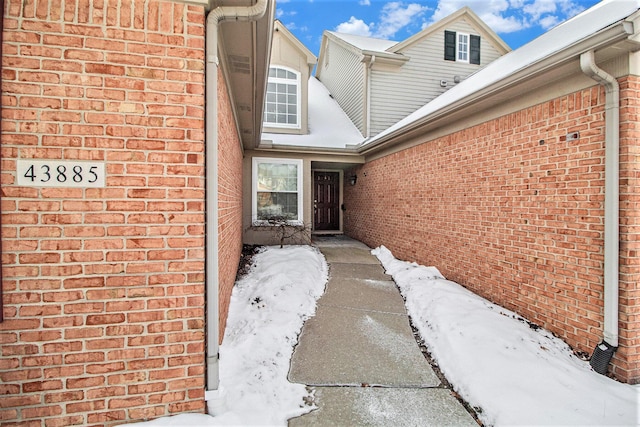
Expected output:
{"points": [[229, 202], [103, 287], [514, 211]]}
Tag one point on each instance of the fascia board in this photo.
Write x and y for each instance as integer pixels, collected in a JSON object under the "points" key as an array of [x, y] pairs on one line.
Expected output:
{"points": [[352, 153], [342, 43], [388, 59], [362, 52]]}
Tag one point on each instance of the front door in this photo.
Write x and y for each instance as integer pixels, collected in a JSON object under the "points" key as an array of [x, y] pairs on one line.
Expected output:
{"points": [[326, 204]]}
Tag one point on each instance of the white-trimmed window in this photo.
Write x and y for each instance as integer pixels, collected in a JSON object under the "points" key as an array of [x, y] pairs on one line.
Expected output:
{"points": [[463, 47], [282, 104], [277, 190]]}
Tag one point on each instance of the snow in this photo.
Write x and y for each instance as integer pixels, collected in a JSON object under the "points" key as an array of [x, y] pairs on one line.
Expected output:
{"points": [[268, 308], [329, 126], [555, 40], [496, 361], [516, 374], [365, 43]]}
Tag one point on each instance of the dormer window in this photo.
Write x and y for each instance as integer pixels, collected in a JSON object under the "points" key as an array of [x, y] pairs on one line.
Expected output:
{"points": [[282, 105], [461, 47]]}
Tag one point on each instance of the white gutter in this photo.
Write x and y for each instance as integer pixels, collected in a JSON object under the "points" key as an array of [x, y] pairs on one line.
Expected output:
{"points": [[611, 196], [213, 396]]}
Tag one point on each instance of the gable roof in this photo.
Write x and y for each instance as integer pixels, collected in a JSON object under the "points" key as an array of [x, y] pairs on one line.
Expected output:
{"points": [[367, 46], [279, 27], [392, 51], [372, 45], [466, 14], [602, 25]]}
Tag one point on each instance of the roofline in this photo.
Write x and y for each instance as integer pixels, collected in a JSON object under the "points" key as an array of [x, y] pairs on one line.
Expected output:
{"points": [[614, 33], [365, 55], [336, 36], [437, 26], [351, 151]]}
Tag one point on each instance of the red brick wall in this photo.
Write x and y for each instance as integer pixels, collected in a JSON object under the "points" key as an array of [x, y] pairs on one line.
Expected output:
{"points": [[103, 287], [514, 211], [229, 201]]}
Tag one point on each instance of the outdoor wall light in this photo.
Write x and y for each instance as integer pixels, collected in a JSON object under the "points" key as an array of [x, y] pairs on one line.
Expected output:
{"points": [[353, 179]]}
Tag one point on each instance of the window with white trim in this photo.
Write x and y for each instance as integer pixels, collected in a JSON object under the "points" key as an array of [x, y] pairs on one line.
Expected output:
{"points": [[282, 104], [277, 190], [463, 47]]}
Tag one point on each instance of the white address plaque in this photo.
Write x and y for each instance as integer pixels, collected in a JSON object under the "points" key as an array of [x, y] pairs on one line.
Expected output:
{"points": [[60, 173]]}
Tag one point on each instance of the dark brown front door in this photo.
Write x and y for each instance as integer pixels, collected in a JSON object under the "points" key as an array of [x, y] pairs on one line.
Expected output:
{"points": [[326, 201]]}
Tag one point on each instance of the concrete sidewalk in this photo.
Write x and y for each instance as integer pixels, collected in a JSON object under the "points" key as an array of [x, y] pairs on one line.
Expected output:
{"points": [[359, 354]]}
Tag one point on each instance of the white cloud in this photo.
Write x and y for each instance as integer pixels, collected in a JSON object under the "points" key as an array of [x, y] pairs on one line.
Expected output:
{"points": [[549, 13], [571, 8], [548, 22], [354, 26], [540, 7], [507, 16], [395, 16], [502, 16], [503, 24], [497, 14], [281, 13]]}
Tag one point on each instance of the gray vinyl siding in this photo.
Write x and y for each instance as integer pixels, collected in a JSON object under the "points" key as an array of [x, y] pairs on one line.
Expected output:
{"points": [[344, 77], [394, 95]]}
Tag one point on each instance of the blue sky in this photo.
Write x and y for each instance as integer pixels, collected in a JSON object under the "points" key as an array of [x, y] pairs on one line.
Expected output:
{"points": [[516, 21]]}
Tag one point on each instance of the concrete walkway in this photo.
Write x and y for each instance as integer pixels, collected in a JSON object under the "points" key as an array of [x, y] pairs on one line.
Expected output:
{"points": [[359, 353]]}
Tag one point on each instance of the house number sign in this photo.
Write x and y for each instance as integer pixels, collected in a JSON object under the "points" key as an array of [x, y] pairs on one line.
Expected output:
{"points": [[60, 173]]}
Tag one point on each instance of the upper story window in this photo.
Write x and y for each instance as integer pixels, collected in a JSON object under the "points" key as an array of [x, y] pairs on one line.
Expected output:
{"points": [[282, 105], [461, 47]]}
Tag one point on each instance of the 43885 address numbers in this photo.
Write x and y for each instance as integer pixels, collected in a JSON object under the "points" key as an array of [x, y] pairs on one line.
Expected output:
{"points": [[60, 173]]}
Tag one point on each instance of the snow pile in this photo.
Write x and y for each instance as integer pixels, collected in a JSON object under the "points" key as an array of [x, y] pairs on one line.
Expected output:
{"points": [[268, 308], [267, 311], [514, 371]]}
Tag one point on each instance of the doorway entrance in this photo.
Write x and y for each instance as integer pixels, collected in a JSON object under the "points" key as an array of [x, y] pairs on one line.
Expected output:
{"points": [[326, 201]]}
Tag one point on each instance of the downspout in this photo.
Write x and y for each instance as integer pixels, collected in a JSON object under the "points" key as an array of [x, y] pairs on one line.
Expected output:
{"points": [[215, 402], [368, 106], [604, 351]]}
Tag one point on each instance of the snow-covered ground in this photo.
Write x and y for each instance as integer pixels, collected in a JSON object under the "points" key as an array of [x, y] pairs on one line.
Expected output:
{"points": [[496, 361], [492, 357], [268, 308]]}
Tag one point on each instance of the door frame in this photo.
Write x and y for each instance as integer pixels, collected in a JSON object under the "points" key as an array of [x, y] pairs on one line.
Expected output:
{"points": [[340, 200]]}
